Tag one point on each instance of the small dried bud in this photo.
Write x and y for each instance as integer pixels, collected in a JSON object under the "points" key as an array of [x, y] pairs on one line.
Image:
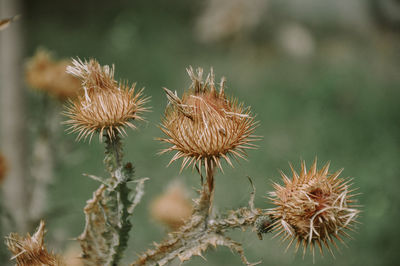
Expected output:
{"points": [[43, 73], [204, 126], [30, 250], [3, 168], [103, 105], [173, 207], [263, 225], [313, 208]]}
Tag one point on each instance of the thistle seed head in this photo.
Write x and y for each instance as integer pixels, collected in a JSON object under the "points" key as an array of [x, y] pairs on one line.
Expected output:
{"points": [[31, 250], [103, 104], [204, 126], [313, 208], [173, 207], [45, 74]]}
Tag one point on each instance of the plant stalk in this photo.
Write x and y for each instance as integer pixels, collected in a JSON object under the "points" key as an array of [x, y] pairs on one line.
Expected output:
{"points": [[207, 192], [108, 213]]}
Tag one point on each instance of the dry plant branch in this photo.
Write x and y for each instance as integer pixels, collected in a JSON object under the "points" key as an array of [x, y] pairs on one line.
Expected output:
{"points": [[200, 232], [108, 212]]}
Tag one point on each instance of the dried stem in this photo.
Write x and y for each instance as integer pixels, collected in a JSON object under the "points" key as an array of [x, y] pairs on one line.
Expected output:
{"points": [[107, 214], [207, 192], [199, 232]]}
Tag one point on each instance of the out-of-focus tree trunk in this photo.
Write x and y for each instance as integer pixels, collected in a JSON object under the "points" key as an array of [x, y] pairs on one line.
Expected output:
{"points": [[13, 119]]}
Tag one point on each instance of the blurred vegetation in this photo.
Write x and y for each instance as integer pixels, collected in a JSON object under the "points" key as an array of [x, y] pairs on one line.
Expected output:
{"points": [[339, 101]]}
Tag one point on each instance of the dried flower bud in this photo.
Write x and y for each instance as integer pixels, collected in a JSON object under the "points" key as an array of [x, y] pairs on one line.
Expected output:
{"points": [[263, 225], [3, 168], [45, 74], [313, 207], [173, 207], [103, 104], [30, 250], [204, 126]]}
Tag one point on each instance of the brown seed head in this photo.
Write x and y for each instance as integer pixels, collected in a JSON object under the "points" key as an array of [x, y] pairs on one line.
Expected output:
{"points": [[173, 207], [204, 126], [313, 207], [103, 104], [3, 168], [45, 74], [31, 250]]}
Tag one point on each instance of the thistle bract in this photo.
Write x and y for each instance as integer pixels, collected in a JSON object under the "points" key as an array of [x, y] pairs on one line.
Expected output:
{"points": [[103, 104], [314, 207], [204, 126]]}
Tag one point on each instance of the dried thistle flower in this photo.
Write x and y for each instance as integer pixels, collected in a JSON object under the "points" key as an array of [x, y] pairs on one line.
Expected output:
{"points": [[173, 207], [31, 250], [3, 168], [45, 74], [204, 126], [313, 207], [103, 104]]}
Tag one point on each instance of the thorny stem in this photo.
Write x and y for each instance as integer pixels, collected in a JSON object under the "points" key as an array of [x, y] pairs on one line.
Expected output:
{"points": [[108, 213], [113, 162], [199, 233], [113, 159]]}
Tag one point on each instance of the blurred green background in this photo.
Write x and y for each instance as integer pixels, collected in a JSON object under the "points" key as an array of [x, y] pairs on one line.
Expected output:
{"points": [[321, 76]]}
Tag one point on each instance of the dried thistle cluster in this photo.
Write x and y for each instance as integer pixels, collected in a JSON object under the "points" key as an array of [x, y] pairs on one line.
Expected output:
{"points": [[313, 208], [204, 126], [104, 105], [43, 73], [31, 250]]}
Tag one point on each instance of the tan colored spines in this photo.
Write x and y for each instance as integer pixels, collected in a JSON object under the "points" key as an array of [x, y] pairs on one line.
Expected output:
{"points": [[31, 250], [313, 208], [103, 104], [204, 127]]}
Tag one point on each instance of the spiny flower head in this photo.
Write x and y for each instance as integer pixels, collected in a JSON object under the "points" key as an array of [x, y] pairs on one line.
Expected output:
{"points": [[204, 126], [43, 73], [103, 104], [314, 207], [31, 250]]}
